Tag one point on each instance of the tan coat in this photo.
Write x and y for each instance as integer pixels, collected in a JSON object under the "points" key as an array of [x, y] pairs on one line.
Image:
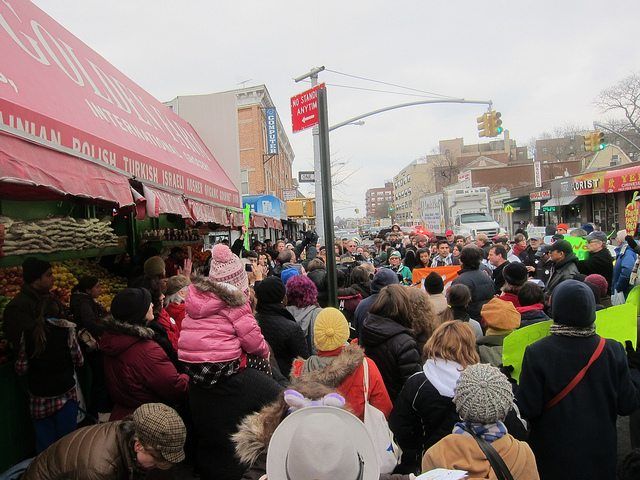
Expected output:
{"points": [[98, 452], [461, 452]]}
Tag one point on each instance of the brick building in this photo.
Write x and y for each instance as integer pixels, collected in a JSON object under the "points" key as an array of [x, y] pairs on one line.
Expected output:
{"points": [[378, 200], [410, 185], [261, 173]]}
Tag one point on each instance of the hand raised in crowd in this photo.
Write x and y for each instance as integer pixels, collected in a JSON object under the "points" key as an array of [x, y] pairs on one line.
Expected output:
{"points": [[187, 269]]}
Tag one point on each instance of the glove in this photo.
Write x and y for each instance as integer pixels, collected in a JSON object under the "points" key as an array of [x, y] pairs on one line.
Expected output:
{"points": [[632, 243]]}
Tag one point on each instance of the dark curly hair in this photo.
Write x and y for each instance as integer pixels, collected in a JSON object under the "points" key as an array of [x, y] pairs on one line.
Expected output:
{"points": [[301, 292]]}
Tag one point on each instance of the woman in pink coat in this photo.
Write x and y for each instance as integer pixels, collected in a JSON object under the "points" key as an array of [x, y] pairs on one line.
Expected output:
{"points": [[218, 333]]}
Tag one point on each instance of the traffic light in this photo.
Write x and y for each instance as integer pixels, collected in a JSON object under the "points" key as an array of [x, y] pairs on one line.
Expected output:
{"points": [[483, 125], [598, 141], [496, 124], [588, 142]]}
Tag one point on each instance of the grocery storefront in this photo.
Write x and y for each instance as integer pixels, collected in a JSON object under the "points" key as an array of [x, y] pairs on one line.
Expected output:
{"points": [[95, 173]]}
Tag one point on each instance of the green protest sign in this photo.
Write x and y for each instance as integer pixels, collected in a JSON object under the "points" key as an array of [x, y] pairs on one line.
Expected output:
{"points": [[619, 323], [579, 245], [246, 211]]}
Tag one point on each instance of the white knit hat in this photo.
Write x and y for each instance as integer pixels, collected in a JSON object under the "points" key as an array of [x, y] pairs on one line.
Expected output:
{"points": [[483, 394]]}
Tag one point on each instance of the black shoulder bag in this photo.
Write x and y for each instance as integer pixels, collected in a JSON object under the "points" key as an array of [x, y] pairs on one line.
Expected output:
{"points": [[495, 460]]}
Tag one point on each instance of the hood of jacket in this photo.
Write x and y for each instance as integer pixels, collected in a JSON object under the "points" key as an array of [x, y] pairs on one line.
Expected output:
{"points": [[255, 431], [443, 375], [338, 369], [304, 316], [377, 329], [206, 298], [364, 289], [119, 336]]}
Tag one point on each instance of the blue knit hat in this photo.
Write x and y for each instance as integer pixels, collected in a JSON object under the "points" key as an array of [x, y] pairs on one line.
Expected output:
{"points": [[288, 273]]}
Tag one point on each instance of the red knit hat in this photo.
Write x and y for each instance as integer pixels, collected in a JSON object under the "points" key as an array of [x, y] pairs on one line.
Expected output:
{"points": [[226, 267]]}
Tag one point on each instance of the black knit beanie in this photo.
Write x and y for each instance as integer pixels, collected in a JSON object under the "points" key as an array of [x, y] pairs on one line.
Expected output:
{"points": [[573, 304], [270, 290], [33, 269], [131, 305]]}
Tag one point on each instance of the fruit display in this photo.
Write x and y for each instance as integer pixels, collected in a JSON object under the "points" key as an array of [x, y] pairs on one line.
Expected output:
{"points": [[111, 284], [64, 281], [10, 281], [55, 235]]}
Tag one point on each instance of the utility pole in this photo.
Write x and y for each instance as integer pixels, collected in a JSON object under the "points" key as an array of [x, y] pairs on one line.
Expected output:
{"points": [[313, 75]]}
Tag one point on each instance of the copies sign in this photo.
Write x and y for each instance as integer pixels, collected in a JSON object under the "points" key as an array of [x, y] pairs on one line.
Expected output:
{"points": [[304, 109], [54, 88]]}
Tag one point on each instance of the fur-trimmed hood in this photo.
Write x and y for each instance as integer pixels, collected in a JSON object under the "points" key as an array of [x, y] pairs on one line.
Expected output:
{"points": [[119, 336], [332, 371], [255, 430], [206, 298]]}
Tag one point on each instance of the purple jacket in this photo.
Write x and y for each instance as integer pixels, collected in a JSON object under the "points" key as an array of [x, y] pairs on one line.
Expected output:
{"points": [[219, 325]]}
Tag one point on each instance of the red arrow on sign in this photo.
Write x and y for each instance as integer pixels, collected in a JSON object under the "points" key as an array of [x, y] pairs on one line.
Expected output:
{"points": [[304, 109]]}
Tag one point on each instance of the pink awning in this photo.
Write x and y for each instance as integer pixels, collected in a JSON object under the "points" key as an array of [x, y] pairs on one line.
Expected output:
{"points": [[203, 212], [258, 221], [21, 163], [57, 89], [159, 202]]}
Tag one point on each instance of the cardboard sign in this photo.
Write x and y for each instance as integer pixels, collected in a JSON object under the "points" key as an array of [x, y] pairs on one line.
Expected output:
{"points": [[579, 245], [631, 215], [448, 274], [619, 323]]}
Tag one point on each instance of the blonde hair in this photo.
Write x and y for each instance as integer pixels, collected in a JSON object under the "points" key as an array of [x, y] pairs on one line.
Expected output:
{"points": [[421, 313], [453, 340]]}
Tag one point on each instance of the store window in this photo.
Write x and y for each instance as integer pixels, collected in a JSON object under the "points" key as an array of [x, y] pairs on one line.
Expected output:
{"points": [[605, 210], [244, 181]]}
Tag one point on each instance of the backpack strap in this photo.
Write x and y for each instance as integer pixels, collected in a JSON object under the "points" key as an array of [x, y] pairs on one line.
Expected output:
{"points": [[365, 379], [495, 460], [578, 378]]}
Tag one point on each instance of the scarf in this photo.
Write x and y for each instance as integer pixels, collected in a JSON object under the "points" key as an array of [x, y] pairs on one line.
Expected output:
{"points": [[489, 432], [569, 331]]}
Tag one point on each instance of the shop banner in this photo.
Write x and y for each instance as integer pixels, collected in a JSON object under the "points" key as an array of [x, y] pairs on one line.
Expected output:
{"points": [[622, 180], [448, 274], [579, 245], [57, 91], [619, 323], [588, 183]]}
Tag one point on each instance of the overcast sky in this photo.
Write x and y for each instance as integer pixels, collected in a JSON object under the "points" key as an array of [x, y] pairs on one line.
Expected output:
{"points": [[542, 63]]}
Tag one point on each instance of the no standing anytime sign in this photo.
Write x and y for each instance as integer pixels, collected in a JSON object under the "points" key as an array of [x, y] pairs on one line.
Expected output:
{"points": [[304, 109]]}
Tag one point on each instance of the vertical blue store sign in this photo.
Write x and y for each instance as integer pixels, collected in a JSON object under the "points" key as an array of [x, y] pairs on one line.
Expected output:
{"points": [[272, 131]]}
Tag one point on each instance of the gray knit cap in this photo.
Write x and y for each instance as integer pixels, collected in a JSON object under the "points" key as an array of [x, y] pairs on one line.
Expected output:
{"points": [[483, 394]]}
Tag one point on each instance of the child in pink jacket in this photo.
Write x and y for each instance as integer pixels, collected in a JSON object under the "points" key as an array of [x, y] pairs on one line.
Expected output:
{"points": [[219, 329]]}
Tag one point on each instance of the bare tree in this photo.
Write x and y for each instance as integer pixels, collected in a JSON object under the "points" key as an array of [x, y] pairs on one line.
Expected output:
{"points": [[623, 97]]}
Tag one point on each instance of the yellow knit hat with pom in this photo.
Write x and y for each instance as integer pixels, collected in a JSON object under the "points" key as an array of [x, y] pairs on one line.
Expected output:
{"points": [[331, 330]]}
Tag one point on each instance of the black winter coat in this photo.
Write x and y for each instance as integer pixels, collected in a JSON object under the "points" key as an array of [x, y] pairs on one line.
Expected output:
{"points": [[87, 313], [283, 334], [22, 311], [421, 417], [566, 269], [394, 350], [577, 435], [601, 263], [531, 317], [498, 277], [528, 256], [481, 286]]}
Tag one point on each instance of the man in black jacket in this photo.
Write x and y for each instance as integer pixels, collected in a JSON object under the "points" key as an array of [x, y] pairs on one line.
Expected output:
{"points": [[600, 260], [564, 264], [528, 255], [21, 312], [498, 258]]}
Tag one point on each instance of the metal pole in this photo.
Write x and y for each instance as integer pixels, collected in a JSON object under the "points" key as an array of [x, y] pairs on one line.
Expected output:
{"points": [[313, 75], [327, 197], [410, 104]]}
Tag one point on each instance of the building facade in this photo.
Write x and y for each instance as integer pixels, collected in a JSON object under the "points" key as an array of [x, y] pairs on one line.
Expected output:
{"points": [[378, 201], [410, 185], [261, 173]]}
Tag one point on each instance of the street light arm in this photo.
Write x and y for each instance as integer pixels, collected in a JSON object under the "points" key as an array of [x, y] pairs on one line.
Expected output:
{"points": [[611, 130], [410, 104]]}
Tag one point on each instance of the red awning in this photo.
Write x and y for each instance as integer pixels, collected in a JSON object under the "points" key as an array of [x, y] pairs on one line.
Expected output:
{"points": [[235, 219], [278, 225], [55, 89], [159, 202], [258, 221], [203, 212], [21, 164], [622, 180]]}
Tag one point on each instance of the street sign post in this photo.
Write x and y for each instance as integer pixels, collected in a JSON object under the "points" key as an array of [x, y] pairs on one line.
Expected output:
{"points": [[307, 176], [304, 109]]}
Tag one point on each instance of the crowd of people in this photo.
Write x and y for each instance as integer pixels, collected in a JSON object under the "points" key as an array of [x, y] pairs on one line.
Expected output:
{"points": [[242, 367]]}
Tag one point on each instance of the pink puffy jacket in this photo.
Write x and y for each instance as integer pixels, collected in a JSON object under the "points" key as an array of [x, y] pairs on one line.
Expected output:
{"points": [[218, 325]]}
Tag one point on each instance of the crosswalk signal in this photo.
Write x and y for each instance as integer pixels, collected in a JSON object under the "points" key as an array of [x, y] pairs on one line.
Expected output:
{"points": [[483, 125]]}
